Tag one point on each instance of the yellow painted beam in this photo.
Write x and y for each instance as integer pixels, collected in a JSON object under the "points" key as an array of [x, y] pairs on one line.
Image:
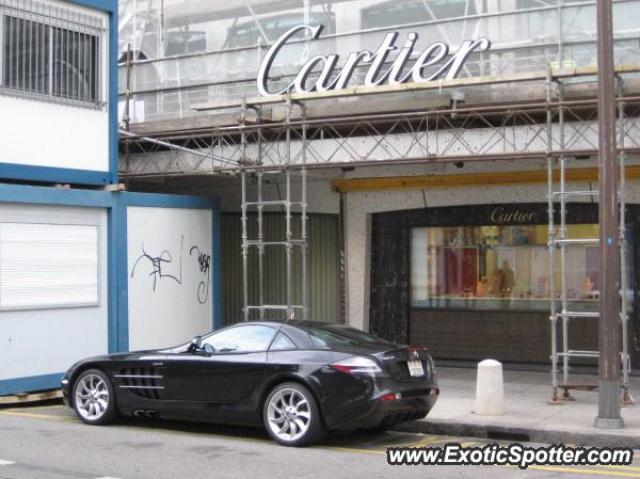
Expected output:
{"points": [[390, 183]]}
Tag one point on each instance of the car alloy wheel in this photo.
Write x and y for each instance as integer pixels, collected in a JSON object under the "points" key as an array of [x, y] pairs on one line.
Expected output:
{"points": [[93, 398], [291, 415]]}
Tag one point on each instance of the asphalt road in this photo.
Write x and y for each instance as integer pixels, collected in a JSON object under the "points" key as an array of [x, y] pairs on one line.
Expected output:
{"points": [[48, 442]]}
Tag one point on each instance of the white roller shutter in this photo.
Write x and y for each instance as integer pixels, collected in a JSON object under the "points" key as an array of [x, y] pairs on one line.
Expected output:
{"points": [[48, 265]]}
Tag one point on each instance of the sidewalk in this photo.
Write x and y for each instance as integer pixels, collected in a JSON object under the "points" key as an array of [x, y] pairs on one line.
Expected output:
{"points": [[527, 416]]}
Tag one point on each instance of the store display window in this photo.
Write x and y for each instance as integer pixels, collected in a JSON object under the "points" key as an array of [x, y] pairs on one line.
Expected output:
{"points": [[500, 267]]}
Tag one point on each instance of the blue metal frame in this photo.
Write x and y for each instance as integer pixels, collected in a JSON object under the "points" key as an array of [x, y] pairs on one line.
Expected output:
{"points": [[31, 383], [80, 176], [117, 276], [66, 197]]}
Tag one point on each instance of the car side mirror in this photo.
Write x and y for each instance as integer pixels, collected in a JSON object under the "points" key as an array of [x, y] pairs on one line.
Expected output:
{"points": [[196, 344]]}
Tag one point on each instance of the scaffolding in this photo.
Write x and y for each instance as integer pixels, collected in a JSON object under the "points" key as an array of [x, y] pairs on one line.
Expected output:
{"points": [[562, 314], [557, 128], [446, 132], [290, 243]]}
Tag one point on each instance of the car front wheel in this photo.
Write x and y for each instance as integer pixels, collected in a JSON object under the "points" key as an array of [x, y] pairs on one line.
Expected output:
{"points": [[291, 415], [93, 398]]}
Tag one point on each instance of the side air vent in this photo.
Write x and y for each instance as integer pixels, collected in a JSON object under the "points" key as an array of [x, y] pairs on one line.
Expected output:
{"points": [[144, 382]]}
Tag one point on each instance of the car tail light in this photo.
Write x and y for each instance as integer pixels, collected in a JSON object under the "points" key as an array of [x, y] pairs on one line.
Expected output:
{"points": [[417, 348], [357, 364], [390, 397]]}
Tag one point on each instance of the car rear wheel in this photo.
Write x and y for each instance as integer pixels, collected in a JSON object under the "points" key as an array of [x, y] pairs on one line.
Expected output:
{"points": [[291, 415], [94, 398]]}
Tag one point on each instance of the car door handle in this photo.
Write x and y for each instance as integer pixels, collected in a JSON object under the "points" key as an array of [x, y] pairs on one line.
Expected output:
{"points": [[157, 363]]}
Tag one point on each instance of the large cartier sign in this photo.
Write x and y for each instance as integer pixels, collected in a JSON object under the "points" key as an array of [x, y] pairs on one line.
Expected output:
{"points": [[331, 77]]}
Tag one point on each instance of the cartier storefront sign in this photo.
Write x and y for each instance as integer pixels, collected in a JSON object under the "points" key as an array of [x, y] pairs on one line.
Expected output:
{"points": [[503, 216], [382, 67]]}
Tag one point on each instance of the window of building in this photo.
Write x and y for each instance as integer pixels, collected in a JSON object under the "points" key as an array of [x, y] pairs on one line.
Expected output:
{"points": [[253, 32], [499, 267], [52, 51], [396, 13]]}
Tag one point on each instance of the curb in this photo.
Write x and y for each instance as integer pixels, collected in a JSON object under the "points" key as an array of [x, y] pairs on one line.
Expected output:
{"points": [[516, 434]]}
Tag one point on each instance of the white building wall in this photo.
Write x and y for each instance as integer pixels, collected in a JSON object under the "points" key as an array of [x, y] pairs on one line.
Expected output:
{"points": [[36, 342], [170, 294], [66, 136]]}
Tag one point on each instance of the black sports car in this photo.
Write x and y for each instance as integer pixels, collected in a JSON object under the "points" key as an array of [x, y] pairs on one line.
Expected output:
{"points": [[298, 378]]}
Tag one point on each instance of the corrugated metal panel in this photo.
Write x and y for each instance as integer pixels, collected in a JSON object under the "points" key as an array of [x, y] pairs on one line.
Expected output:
{"points": [[323, 266]]}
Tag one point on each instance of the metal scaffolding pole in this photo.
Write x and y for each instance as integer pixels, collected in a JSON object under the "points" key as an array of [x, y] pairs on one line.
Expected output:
{"points": [[563, 244], [249, 166], [303, 218], [551, 245], [609, 331], [243, 206], [245, 250], [624, 278], [289, 245], [560, 240]]}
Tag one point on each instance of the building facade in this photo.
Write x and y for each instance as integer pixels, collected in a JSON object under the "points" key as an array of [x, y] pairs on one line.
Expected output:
{"points": [[428, 132], [82, 263]]}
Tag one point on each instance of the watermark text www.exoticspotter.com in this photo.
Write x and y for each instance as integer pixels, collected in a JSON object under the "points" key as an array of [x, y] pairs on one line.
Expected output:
{"points": [[514, 454]]}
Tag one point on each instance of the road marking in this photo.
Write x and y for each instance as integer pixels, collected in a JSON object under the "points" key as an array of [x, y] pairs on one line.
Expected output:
{"points": [[6, 463], [356, 450], [428, 440], [38, 416], [107, 477], [575, 470]]}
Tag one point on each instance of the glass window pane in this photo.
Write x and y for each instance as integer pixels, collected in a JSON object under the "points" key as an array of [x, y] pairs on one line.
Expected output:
{"points": [[25, 53], [241, 339], [498, 267], [282, 342], [334, 335], [74, 66]]}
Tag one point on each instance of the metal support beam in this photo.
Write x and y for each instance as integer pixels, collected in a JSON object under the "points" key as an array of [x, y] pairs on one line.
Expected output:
{"points": [[609, 331]]}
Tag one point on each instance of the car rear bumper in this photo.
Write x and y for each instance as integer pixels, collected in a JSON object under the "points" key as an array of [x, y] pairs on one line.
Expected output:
{"points": [[384, 412]]}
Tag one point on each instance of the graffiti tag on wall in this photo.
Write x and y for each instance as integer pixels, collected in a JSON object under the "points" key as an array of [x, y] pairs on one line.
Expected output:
{"points": [[163, 267]]}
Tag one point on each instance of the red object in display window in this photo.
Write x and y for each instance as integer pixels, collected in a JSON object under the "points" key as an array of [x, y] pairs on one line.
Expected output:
{"points": [[461, 270]]}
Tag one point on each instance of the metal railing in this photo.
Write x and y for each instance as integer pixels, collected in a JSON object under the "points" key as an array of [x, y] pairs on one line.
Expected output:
{"points": [[52, 52]]}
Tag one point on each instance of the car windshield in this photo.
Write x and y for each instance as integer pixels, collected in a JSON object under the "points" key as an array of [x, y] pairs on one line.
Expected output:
{"points": [[330, 336]]}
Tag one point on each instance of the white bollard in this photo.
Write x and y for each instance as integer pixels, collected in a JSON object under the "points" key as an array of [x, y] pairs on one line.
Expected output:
{"points": [[489, 389]]}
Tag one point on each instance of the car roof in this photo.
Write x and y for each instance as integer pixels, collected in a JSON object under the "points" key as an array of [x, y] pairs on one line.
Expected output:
{"points": [[291, 322]]}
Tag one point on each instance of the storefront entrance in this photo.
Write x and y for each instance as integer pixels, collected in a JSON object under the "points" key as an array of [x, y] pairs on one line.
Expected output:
{"points": [[472, 282]]}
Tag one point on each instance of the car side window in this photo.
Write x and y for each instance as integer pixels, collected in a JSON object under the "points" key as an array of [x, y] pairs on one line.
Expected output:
{"points": [[282, 342], [239, 339]]}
